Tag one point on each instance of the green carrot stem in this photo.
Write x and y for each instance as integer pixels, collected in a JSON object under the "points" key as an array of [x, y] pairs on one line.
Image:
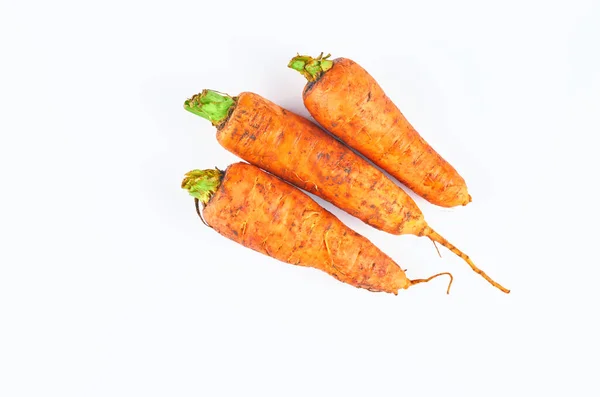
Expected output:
{"points": [[309, 67], [211, 105]]}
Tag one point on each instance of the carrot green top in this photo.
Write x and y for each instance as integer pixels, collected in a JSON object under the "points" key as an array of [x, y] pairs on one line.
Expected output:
{"points": [[202, 184], [211, 105], [309, 67]]}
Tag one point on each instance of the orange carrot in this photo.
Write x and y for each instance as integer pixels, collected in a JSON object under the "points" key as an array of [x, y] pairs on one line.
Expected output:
{"points": [[349, 103], [298, 151], [266, 214]]}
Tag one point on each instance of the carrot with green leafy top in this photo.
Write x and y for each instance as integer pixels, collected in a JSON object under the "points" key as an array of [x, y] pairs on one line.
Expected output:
{"points": [[298, 151], [347, 101], [268, 215]]}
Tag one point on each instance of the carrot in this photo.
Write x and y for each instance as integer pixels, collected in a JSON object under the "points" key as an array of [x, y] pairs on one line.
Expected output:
{"points": [[298, 151], [349, 103], [266, 214]]}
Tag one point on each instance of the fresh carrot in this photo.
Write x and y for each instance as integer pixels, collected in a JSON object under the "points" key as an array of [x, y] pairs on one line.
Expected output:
{"points": [[349, 103], [298, 151], [266, 214]]}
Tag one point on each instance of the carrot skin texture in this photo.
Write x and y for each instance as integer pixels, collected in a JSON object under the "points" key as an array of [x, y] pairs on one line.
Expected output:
{"points": [[348, 102], [298, 151], [266, 214]]}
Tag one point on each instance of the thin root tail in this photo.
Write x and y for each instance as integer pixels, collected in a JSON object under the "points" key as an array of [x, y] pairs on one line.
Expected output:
{"points": [[425, 280], [436, 238]]}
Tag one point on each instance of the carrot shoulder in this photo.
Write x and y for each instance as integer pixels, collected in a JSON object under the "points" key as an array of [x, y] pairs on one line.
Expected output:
{"points": [[261, 212], [347, 101]]}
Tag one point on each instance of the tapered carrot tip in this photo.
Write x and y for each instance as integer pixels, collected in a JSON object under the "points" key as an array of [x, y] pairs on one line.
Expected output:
{"points": [[426, 280], [434, 236]]}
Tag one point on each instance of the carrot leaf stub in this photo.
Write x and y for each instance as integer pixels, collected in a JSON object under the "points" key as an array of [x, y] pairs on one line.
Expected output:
{"points": [[310, 67], [210, 105], [202, 184]]}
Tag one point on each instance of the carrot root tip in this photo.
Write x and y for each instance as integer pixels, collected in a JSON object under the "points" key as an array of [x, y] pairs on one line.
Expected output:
{"points": [[419, 281], [435, 237]]}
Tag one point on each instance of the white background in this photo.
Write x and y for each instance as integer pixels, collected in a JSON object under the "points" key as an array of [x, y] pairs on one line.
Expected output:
{"points": [[111, 286]]}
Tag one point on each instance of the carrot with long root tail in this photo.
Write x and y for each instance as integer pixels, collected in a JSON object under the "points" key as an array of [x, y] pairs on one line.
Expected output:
{"points": [[298, 151]]}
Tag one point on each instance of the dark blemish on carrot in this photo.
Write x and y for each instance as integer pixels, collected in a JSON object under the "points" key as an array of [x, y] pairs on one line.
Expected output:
{"points": [[253, 137], [363, 203], [308, 87], [372, 206], [334, 124], [369, 96], [338, 179], [347, 170]]}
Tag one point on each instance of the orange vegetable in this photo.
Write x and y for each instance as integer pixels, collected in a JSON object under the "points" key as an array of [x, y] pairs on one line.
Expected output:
{"points": [[266, 214], [296, 150], [349, 103]]}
